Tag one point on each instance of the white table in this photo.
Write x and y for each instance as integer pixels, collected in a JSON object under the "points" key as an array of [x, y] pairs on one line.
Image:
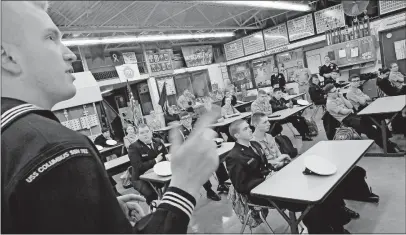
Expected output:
{"points": [[230, 120], [289, 97], [291, 185], [242, 104], [153, 178], [390, 105], [108, 149], [285, 113]]}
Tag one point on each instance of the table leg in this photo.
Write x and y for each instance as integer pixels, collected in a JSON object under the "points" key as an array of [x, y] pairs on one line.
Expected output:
{"points": [[383, 127], [292, 221], [157, 190]]}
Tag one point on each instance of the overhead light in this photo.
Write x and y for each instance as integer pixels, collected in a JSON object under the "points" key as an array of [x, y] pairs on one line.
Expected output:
{"points": [[269, 4], [143, 38]]}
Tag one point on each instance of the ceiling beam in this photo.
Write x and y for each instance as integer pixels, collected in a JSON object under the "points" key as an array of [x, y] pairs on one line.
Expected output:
{"points": [[232, 17], [150, 29], [201, 12], [246, 21], [84, 13], [150, 14], [125, 8], [170, 17]]}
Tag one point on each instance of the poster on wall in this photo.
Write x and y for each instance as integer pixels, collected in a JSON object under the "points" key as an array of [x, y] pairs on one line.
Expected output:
{"points": [[241, 76], [129, 57], [400, 49], [263, 68], [160, 62], [300, 27], [234, 50], [332, 16], [128, 72], [387, 6], [289, 62], [253, 43], [276, 36], [116, 57], [170, 85], [197, 55]]}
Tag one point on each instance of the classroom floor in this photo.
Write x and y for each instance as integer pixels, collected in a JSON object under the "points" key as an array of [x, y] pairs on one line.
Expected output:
{"points": [[386, 176]]}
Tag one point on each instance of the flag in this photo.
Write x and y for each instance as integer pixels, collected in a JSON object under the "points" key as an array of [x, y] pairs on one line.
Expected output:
{"points": [[163, 99], [108, 115], [132, 104]]}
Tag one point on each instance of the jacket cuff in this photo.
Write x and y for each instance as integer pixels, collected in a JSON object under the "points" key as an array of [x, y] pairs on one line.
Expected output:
{"points": [[178, 200]]}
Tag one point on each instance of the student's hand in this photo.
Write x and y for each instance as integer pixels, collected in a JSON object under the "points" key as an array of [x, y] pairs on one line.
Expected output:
{"points": [[159, 158], [130, 205], [195, 160]]}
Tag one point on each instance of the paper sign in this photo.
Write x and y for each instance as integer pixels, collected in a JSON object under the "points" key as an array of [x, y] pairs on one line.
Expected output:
{"points": [[129, 58], [354, 52], [400, 49], [342, 53]]}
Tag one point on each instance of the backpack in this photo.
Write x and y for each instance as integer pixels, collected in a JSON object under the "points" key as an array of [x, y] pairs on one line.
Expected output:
{"points": [[126, 178], [346, 133], [314, 131], [286, 146]]}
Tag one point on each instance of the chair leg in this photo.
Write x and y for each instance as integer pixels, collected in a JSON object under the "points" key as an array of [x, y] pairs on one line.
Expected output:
{"points": [[265, 222], [247, 216]]}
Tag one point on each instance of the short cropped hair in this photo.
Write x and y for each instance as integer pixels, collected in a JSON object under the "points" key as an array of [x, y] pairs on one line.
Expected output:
{"points": [[277, 89], [256, 117], [235, 128], [335, 71], [352, 77], [261, 92]]}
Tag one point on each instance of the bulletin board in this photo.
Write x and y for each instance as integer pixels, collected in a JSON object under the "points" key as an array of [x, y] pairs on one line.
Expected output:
{"points": [[301, 27]]}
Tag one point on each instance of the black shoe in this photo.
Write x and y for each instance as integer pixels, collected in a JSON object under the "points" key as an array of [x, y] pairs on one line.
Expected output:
{"points": [[352, 214], [213, 196], [306, 138], [222, 189]]}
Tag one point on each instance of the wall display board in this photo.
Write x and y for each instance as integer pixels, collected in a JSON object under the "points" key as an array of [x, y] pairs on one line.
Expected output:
{"points": [[276, 36], [129, 58], [288, 63], [354, 52], [300, 27], [234, 49], [170, 85], [160, 62], [387, 6], [332, 16], [241, 76], [400, 49], [197, 55], [263, 68], [253, 43]]}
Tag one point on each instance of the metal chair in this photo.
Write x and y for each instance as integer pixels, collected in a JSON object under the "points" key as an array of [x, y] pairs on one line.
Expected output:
{"points": [[318, 106]]}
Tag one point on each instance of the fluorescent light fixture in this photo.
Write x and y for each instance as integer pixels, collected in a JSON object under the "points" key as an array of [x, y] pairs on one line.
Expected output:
{"points": [[143, 38], [282, 5]]}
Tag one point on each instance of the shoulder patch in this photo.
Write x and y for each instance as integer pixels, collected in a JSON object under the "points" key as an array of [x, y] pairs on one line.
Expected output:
{"points": [[57, 159]]}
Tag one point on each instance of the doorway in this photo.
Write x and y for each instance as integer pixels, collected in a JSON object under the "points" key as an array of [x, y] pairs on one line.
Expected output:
{"points": [[388, 39]]}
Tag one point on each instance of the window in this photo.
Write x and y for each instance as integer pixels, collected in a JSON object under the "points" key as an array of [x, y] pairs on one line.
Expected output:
{"points": [[144, 97]]}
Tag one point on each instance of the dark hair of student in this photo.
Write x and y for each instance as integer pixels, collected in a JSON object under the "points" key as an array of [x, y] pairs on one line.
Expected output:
{"points": [[383, 70]]}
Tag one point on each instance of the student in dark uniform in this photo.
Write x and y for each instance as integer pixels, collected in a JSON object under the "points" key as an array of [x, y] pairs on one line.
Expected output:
{"points": [[185, 129], [326, 69], [278, 103], [278, 78], [143, 155], [248, 167], [52, 178], [317, 94]]}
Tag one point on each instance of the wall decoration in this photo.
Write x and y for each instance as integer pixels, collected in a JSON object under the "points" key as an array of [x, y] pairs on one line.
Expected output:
{"points": [[331, 14], [170, 85], [197, 55], [129, 58], [387, 6], [300, 27], [253, 43], [160, 62], [276, 36], [234, 50]]}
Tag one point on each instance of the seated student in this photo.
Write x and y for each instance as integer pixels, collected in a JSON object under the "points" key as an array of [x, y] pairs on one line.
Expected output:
{"points": [[395, 77], [262, 105], [248, 167], [185, 129], [143, 155], [170, 115], [267, 141], [229, 94], [102, 138], [227, 109], [358, 99], [278, 103], [316, 92], [131, 136], [342, 110], [332, 79]]}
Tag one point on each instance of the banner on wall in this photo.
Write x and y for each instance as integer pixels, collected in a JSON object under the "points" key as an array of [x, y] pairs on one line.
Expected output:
{"points": [[116, 57], [160, 62], [129, 57], [197, 55], [128, 72]]}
